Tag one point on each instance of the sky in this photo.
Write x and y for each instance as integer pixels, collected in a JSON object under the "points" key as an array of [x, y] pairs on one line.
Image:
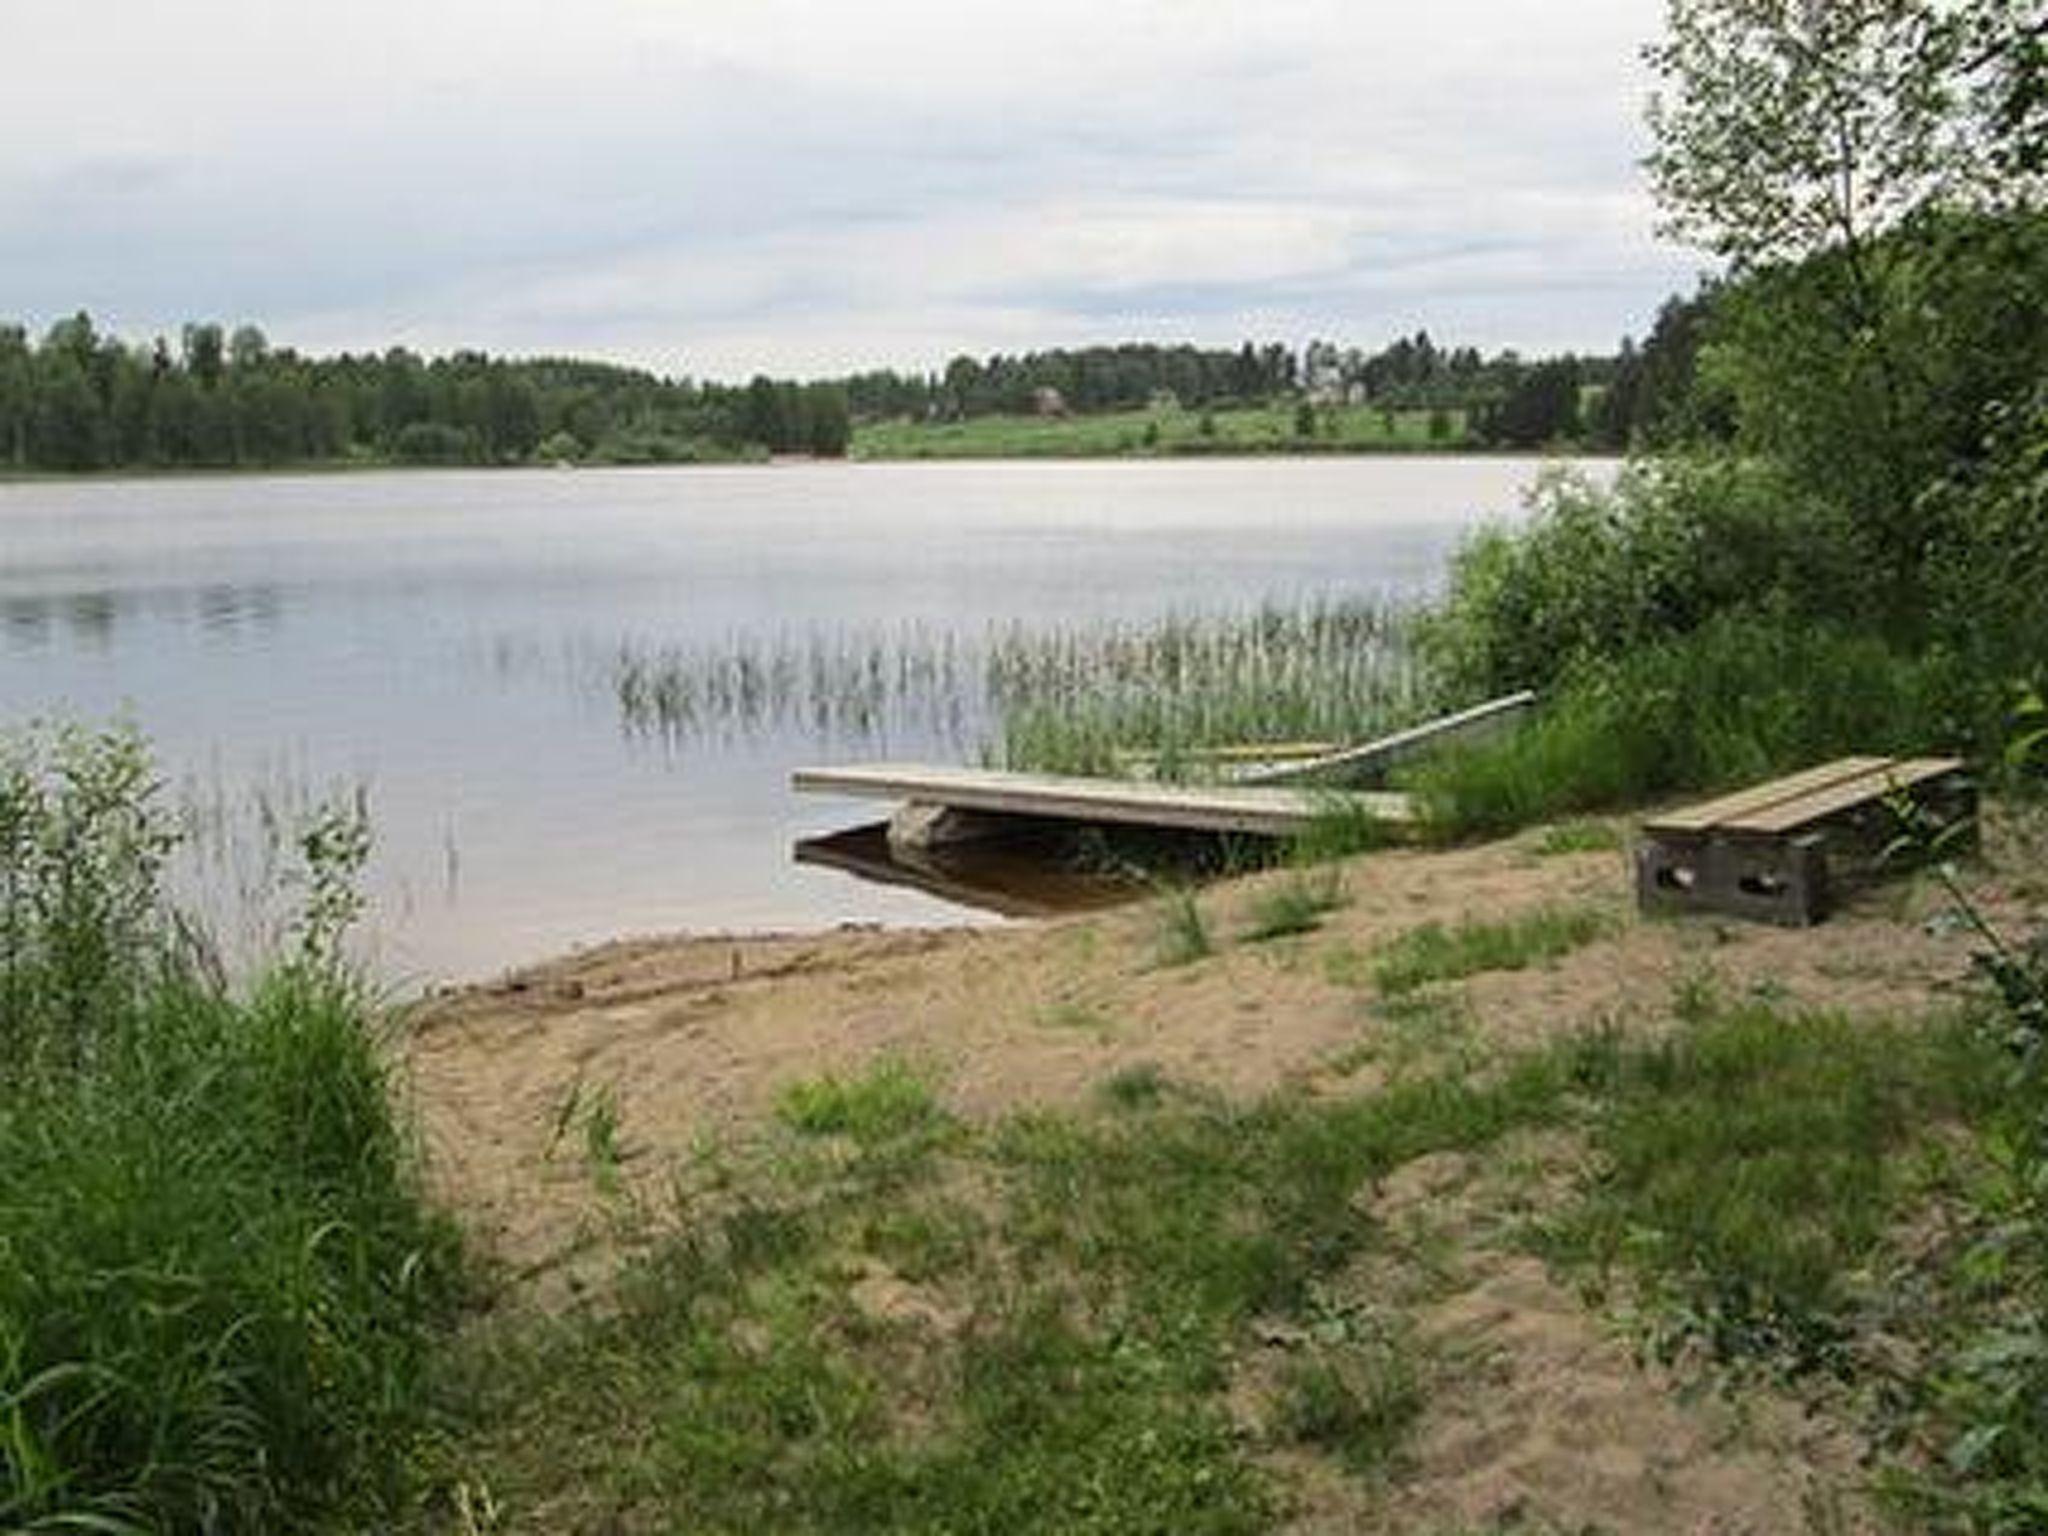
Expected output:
{"points": [[716, 188]]}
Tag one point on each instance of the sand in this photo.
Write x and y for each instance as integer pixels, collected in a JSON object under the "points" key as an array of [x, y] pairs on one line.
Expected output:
{"points": [[1554, 1425]]}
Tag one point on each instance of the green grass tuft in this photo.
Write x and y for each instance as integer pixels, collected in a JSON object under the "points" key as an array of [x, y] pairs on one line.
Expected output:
{"points": [[1567, 837], [886, 1102], [1434, 952], [1135, 1087], [1297, 905], [1357, 1403], [1183, 933]]}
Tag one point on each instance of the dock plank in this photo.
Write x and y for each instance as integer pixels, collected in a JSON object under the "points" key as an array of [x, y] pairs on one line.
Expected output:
{"points": [[1270, 812]]}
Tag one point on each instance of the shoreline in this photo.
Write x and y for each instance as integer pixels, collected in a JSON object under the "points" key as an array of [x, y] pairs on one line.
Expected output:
{"points": [[323, 468]]}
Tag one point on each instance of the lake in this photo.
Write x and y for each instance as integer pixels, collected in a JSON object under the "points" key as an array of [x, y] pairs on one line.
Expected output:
{"points": [[464, 644]]}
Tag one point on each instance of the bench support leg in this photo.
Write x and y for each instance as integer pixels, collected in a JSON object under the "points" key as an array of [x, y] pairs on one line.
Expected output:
{"points": [[1776, 880]]}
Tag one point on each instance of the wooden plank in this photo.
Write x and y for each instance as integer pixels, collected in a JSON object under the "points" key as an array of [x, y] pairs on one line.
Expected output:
{"points": [[1697, 820], [1268, 812], [1237, 763], [1377, 756], [1789, 815], [1248, 751]]}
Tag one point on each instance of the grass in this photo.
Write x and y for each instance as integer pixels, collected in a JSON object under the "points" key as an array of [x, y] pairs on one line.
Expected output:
{"points": [[1435, 952], [1160, 432], [1584, 836], [221, 1295], [1296, 905], [1358, 1402], [887, 1101], [1755, 1169], [1183, 933], [1139, 1086], [1067, 1299], [1419, 1032], [1085, 700], [1068, 1296], [1341, 828], [1741, 698]]}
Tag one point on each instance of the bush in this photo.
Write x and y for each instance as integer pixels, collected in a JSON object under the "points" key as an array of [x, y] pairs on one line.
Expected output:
{"points": [[1743, 697], [219, 1287], [1988, 575], [1596, 573], [433, 442]]}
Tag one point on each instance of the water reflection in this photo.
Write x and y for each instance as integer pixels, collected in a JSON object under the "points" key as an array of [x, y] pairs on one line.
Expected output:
{"points": [[92, 619]]}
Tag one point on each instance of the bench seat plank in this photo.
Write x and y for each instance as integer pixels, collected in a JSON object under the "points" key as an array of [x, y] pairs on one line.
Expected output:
{"points": [[1698, 820], [1790, 815]]}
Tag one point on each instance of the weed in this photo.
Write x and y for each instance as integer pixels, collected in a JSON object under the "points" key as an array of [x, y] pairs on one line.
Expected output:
{"points": [[1082, 701], [1434, 952], [601, 1154], [1358, 1402], [1135, 1087], [886, 1102], [1297, 905], [1586, 836], [1696, 995], [1346, 965], [1341, 827], [1183, 933], [1739, 699], [1422, 1030]]}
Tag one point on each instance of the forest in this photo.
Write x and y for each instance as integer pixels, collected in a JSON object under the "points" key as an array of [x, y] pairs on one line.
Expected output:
{"points": [[81, 400]]}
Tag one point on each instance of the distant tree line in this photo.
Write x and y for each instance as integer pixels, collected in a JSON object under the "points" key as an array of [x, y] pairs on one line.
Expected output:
{"points": [[1506, 400], [78, 399], [81, 400]]}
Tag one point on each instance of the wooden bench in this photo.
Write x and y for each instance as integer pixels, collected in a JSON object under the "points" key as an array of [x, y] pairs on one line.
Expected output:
{"points": [[1778, 852]]}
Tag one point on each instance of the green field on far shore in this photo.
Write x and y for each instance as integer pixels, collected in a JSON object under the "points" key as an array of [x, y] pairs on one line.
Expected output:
{"points": [[1243, 429]]}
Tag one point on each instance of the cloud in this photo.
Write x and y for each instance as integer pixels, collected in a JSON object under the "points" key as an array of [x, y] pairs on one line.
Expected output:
{"points": [[724, 185]]}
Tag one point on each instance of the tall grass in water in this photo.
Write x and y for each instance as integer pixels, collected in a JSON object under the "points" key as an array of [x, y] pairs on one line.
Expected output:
{"points": [[1078, 698], [1080, 701], [218, 1284]]}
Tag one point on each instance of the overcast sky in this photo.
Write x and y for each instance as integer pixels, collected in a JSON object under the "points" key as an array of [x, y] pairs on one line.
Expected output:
{"points": [[719, 187]]}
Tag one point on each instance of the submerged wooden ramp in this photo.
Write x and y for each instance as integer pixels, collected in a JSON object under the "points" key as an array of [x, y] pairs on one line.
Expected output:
{"points": [[1261, 811]]}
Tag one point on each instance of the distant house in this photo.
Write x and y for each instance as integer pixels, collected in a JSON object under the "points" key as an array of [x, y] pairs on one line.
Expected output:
{"points": [[1047, 401]]}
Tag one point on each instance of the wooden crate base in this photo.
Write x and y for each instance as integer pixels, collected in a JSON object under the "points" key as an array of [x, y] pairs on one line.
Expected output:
{"points": [[1783, 881]]}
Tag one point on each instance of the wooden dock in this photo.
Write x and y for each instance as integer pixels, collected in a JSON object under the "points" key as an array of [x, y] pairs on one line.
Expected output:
{"points": [[1262, 811]]}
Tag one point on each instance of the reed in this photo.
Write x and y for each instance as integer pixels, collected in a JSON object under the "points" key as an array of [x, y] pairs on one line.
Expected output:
{"points": [[1086, 701], [1093, 697], [220, 1290]]}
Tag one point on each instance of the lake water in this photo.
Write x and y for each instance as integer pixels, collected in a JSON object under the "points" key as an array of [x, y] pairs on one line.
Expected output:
{"points": [[456, 643]]}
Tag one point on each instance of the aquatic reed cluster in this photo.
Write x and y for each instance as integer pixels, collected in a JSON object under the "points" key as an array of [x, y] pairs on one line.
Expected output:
{"points": [[1084, 697]]}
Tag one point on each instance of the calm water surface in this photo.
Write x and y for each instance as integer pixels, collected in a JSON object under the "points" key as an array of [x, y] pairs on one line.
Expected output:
{"points": [[453, 642]]}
